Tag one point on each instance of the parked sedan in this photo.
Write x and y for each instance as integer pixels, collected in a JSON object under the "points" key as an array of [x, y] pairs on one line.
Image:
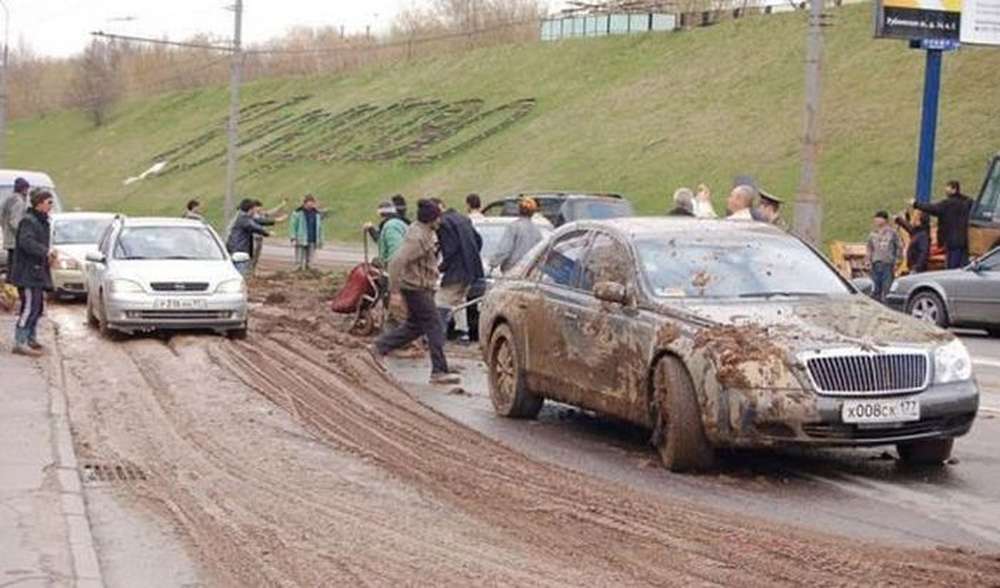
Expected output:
{"points": [[968, 297], [719, 334], [74, 235], [156, 274]]}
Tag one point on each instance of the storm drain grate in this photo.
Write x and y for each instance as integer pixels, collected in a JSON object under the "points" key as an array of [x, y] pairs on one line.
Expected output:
{"points": [[103, 472]]}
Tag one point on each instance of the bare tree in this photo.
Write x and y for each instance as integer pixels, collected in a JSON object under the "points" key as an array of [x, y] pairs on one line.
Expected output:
{"points": [[96, 84]]}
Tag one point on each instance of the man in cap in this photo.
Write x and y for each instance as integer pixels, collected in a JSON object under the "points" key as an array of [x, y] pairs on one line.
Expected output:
{"points": [[768, 211], [519, 237], [31, 274], [461, 265], [390, 232], [11, 214], [414, 270]]}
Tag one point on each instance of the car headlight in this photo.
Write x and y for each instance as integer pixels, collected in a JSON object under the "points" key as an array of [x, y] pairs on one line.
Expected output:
{"points": [[952, 363], [232, 287], [67, 263], [125, 287]]}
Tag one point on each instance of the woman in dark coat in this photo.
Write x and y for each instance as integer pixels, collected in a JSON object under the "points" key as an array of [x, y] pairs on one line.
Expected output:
{"points": [[31, 274], [918, 252]]}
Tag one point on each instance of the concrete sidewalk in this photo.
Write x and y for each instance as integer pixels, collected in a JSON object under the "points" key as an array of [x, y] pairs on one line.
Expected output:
{"points": [[45, 535]]}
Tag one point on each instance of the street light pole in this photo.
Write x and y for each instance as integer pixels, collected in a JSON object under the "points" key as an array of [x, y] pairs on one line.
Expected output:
{"points": [[232, 128], [3, 86], [808, 206]]}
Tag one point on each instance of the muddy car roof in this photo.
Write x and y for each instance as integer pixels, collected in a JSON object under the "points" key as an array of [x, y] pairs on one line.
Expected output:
{"points": [[663, 225]]}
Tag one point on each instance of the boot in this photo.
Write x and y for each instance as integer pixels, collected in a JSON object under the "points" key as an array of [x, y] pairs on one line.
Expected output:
{"points": [[439, 378]]}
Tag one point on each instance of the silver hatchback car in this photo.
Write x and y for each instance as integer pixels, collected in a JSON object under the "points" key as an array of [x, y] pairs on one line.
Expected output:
{"points": [[164, 274]]}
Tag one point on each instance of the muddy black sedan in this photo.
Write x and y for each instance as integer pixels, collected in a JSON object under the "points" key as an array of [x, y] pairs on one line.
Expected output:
{"points": [[719, 334]]}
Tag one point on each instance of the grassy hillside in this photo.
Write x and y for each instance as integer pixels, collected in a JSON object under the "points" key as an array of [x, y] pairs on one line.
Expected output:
{"points": [[641, 115]]}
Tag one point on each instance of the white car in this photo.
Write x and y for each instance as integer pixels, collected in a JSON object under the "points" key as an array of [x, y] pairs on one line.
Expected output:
{"points": [[164, 274], [74, 235]]}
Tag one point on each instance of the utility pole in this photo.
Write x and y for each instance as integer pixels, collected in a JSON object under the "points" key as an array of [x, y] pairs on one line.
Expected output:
{"points": [[232, 128], [3, 87], [808, 206]]}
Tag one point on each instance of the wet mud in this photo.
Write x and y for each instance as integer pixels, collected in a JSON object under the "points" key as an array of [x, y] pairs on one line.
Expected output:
{"points": [[292, 459]]}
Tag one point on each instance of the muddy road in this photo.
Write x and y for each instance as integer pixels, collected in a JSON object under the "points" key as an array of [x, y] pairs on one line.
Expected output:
{"points": [[290, 459]]}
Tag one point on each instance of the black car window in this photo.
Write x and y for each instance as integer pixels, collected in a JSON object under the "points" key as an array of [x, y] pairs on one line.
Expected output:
{"points": [[562, 262], [607, 261], [991, 263]]}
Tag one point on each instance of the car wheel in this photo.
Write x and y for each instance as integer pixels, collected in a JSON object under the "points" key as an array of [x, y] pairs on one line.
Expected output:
{"points": [[925, 451], [682, 443], [91, 319], [237, 334], [102, 324], [508, 390], [928, 307]]}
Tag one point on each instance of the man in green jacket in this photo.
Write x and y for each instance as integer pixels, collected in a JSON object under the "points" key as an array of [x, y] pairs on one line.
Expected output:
{"points": [[390, 233], [306, 232]]}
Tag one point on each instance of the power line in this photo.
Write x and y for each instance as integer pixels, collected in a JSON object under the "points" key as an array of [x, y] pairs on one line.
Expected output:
{"points": [[188, 45]]}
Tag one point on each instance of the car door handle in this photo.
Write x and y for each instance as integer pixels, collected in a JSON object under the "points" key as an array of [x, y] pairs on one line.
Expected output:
{"points": [[571, 315]]}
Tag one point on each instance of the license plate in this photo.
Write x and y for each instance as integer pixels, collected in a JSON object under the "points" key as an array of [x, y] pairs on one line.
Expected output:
{"points": [[880, 410], [179, 303]]}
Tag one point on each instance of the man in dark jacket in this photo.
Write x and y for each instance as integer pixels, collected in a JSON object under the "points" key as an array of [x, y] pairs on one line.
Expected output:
{"points": [[953, 223], [461, 264], [31, 273], [242, 233], [918, 252]]}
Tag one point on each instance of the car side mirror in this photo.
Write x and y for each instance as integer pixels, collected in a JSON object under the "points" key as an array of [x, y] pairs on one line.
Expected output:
{"points": [[95, 257], [975, 267], [611, 292], [865, 285], [241, 257]]}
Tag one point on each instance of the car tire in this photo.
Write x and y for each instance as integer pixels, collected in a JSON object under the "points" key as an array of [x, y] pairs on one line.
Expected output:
{"points": [[682, 444], [237, 334], [91, 319], [928, 306], [925, 451], [508, 390], [105, 329]]}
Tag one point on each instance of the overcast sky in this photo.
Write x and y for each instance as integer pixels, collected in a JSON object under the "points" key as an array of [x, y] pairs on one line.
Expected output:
{"points": [[62, 27]]}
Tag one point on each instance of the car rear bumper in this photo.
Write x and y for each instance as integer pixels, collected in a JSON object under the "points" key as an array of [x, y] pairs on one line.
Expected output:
{"points": [[142, 312], [69, 282], [946, 410]]}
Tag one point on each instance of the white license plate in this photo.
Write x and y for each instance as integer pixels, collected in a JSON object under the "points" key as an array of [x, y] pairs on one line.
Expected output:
{"points": [[880, 410], [179, 303]]}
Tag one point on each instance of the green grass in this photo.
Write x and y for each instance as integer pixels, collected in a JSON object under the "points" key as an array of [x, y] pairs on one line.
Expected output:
{"points": [[641, 115]]}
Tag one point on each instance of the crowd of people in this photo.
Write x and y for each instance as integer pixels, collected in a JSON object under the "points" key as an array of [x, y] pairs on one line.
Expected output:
{"points": [[885, 249]]}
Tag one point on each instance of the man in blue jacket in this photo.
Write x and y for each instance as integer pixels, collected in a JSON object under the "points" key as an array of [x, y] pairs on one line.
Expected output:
{"points": [[461, 264]]}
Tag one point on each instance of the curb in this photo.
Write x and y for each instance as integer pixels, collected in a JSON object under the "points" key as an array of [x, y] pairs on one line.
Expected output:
{"points": [[86, 566]]}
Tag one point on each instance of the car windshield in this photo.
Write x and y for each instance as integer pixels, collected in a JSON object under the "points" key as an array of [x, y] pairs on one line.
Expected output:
{"points": [[167, 243], [761, 266], [83, 231]]}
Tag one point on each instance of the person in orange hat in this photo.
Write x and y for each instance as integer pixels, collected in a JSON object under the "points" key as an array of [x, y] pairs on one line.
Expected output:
{"points": [[518, 238]]}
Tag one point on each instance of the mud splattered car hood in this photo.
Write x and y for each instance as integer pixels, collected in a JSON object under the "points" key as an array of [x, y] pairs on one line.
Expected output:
{"points": [[800, 324]]}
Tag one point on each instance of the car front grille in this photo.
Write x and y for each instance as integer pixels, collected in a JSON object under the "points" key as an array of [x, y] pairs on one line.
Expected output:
{"points": [[869, 373], [179, 286], [926, 426], [179, 315]]}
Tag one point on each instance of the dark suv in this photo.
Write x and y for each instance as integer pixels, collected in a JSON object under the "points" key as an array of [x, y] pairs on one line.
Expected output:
{"points": [[561, 207]]}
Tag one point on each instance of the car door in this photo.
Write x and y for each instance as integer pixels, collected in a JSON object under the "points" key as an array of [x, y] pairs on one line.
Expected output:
{"points": [[977, 300], [609, 338], [95, 271], [552, 363]]}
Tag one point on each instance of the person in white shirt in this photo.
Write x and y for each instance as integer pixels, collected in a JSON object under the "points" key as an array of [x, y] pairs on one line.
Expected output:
{"points": [[740, 202], [703, 203]]}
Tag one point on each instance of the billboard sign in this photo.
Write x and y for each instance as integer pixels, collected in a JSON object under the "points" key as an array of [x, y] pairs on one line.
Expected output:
{"points": [[981, 22], [918, 19]]}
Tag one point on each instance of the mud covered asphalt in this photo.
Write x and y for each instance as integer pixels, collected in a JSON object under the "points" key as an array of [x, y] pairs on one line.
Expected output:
{"points": [[289, 459]]}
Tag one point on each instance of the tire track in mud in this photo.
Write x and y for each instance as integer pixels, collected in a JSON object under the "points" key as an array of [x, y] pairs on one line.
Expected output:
{"points": [[347, 401], [299, 514]]}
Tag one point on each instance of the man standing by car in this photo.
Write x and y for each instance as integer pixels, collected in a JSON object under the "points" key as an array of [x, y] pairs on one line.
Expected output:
{"points": [[740, 202], [242, 233], [31, 273], [414, 269], [475, 206], [461, 265], [518, 238], [11, 214], [306, 232], [193, 211], [884, 250], [953, 223]]}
